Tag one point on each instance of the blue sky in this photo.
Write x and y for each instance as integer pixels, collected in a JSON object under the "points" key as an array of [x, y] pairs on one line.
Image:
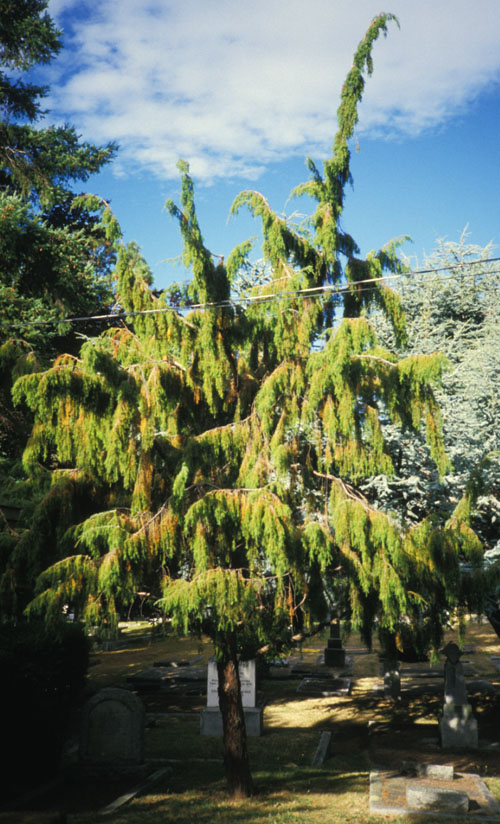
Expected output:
{"points": [[245, 90]]}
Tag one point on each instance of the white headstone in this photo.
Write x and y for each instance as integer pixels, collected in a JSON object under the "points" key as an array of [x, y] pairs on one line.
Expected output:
{"points": [[248, 681], [212, 685]]}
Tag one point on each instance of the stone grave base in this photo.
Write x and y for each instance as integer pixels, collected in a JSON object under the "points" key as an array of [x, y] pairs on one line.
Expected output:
{"points": [[426, 671], [391, 793], [179, 680], [211, 721], [495, 660], [334, 654], [334, 657], [456, 731], [106, 772], [308, 669], [280, 672]]}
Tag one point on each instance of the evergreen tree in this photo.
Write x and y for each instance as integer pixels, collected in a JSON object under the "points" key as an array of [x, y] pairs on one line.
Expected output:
{"points": [[226, 444], [454, 309], [55, 256], [37, 162]]}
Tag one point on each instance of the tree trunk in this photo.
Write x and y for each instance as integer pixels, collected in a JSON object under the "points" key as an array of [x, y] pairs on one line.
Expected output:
{"points": [[236, 761]]}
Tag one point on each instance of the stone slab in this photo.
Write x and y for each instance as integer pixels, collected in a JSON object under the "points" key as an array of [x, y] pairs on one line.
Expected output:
{"points": [[211, 721], [388, 797], [495, 660], [326, 689], [322, 749], [139, 788], [307, 669], [279, 672], [428, 797], [170, 679], [320, 669], [445, 772], [441, 772], [434, 672]]}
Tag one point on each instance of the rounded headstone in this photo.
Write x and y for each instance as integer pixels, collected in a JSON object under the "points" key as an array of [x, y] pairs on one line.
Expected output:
{"points": [[112, 730]]}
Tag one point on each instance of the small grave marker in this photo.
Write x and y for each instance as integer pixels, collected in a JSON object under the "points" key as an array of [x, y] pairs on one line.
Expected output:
{"points": [[322, 748], [325, 688], [444, 772], [112, 733], [392, 677]]}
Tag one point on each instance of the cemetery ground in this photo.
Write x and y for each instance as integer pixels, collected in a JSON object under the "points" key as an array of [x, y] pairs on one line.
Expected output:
{"points": [[367, 729]]}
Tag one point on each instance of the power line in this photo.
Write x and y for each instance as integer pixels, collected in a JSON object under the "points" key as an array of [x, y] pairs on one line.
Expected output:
{"points": [[326, 290]]}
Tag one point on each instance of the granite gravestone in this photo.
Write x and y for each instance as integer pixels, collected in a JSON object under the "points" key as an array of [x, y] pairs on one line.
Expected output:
{"points": [[457, 726], [112, 733], [392, 678], [334, 652], [211, 718]]}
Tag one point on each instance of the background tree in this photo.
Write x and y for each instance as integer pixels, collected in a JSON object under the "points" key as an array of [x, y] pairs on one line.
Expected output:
{"points": [[37, 162], [56, 249], [453, 308], [226, 444], [55, 256]]}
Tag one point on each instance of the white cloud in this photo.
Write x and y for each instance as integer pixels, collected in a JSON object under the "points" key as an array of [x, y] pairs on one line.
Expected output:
{"points": [[233, 85]]}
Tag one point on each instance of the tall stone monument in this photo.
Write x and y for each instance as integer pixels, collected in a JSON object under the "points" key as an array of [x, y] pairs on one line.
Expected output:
{"points": [[211, 717], [457, 725], [334, 652]]}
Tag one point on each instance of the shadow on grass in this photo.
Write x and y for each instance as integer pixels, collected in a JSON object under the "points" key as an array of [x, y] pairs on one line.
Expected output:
{"points": [[286, 795]]}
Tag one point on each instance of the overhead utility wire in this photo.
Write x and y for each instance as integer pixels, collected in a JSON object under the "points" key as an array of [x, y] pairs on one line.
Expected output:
{"points": [[313, 291]]}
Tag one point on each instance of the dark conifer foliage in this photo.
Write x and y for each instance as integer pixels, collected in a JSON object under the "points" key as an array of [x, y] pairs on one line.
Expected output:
{"points": [[55, 256], [37, 162]]}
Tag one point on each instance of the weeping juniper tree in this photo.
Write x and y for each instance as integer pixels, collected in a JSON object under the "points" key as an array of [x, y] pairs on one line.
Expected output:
{"points": [[225, 444]]}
